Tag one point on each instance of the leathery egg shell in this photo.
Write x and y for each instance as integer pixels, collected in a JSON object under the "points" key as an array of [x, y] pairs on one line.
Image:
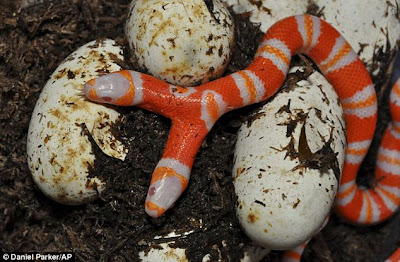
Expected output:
{"points": [[267, 13], [287, 164], [58, 147], [180, 42]]}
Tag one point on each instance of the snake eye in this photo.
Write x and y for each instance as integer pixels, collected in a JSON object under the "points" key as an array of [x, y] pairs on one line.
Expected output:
{"points": [[107, 99], [152, 191]]}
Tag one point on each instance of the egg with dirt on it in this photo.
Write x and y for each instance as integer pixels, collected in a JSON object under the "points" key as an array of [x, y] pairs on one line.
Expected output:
{"points": [[65, 127], [288, 162], [181, 42]]}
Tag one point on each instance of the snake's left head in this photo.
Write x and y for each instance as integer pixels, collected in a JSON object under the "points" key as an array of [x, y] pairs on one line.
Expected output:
{"points": [[112, 88]]}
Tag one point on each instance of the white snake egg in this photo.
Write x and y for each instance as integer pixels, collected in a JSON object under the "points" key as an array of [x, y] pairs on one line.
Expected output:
{"points": [[287, 164], [58, 146], [181, 42]]}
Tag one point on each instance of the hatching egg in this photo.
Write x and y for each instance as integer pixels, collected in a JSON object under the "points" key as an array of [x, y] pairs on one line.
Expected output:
{"points": [[181, 42], [287, 164], [59, 148]]}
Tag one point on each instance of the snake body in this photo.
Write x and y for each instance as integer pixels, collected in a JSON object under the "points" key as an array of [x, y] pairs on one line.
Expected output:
{"points": [[369, 206], [193, 111]]}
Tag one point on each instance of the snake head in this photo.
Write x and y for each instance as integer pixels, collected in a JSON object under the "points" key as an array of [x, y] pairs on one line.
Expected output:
{"points": [[114, 88]]}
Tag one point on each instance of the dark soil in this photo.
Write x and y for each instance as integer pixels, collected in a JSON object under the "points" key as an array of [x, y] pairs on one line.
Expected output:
{"points": [[33, 42]]}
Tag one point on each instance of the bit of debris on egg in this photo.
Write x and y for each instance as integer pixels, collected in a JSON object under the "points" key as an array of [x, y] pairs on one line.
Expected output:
{"points": [[287, 165], [267, 13], [63, 124], [182, 42]]}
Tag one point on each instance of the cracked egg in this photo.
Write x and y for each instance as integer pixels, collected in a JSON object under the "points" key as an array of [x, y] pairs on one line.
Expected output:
{"points": [[63, 123], [287, 165]]}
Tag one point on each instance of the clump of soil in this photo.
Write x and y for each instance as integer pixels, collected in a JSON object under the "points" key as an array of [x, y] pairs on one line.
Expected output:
{"points": [[33, 42]]}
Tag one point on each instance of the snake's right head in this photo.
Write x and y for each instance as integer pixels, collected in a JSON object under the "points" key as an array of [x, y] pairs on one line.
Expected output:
{"points": [[112, 88]]}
